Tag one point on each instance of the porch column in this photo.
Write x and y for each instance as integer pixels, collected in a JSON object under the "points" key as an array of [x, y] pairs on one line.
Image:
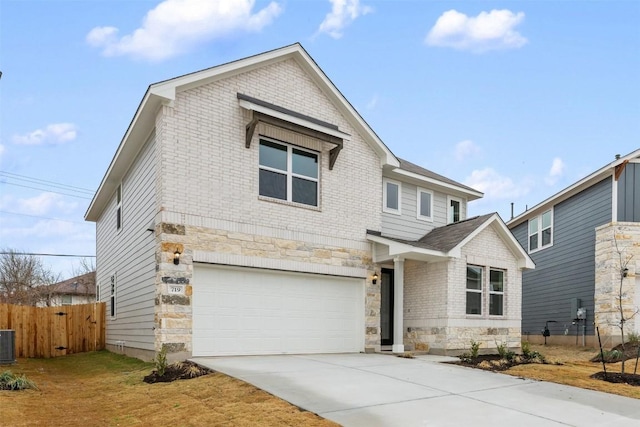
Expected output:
{"points": [[398, 305]]}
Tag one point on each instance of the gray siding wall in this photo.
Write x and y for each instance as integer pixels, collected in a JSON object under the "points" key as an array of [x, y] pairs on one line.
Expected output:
{"points": [[130, 255], [629, 194], [407, 225], [565, 270]]}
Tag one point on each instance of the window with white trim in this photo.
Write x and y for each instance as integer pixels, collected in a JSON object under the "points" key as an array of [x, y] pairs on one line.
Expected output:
{"points": [[453, 210], [541, 231], [474, 289], [119, 207], [112, 300], [496, 292], [391, 195], [66, 299], [480, 284], [288, 173], [424, 204]]}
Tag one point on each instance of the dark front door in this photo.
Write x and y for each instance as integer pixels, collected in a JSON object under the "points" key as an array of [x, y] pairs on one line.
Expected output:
{"points": [[386, 307]]}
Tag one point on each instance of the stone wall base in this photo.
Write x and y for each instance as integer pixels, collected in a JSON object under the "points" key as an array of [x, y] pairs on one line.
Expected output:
{"points": [[138, 353], [457, 340], [591, 341]]}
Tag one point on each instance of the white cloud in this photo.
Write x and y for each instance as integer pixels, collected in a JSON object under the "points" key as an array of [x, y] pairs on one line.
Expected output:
{"points": [[495, 186], [56, 133], [493, 30], [45, 203], [466, 149], [343, 13], [2, 151], [175, 26], [556, 171]]}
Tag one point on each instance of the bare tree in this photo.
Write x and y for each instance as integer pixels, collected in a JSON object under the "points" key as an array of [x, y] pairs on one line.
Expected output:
{"points": [[23, 279]]}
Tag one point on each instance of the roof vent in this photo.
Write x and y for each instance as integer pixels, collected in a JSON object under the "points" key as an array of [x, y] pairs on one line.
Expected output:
{"points": [[617, 156]]}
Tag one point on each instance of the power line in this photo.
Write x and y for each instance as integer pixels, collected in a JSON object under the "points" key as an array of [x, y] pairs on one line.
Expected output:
{"points": [[44, 189], [41, 217], [46, 182], [34, 254]]}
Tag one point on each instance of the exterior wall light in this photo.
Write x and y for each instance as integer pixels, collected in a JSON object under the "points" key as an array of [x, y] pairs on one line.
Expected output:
{"points": [[176, 257], [625, 272], [374, 278]]}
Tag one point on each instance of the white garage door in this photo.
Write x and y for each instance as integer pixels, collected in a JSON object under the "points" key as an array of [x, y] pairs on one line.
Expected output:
{"points": [[241, 311]]}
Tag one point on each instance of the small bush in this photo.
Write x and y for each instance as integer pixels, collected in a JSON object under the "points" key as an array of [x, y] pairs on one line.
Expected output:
{"points": [[526, 349], [9, 381], [505, 353], [161, 361], [475, 348], [633, 338]]}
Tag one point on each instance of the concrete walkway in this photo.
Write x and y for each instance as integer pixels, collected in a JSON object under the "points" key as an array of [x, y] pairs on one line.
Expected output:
{"points": [[380, 390]]}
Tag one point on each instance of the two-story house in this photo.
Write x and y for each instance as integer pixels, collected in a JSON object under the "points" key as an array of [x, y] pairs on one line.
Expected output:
{"points": [[249, 209], [582, 239]]}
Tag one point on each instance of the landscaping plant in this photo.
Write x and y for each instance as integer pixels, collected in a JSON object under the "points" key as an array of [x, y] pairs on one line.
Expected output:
{"points": [[9, 381]]}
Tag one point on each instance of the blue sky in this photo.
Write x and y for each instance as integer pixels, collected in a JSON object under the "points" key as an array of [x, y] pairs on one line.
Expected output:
{"points": [[517, 99]]}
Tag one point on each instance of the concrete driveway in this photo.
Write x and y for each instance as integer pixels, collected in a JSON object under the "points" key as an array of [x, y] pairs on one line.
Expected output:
{"points": [[380, 390]]}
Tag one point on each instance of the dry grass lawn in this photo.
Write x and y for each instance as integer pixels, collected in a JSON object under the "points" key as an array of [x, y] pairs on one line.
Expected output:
{"points": [[575, 369], [106, 389]]}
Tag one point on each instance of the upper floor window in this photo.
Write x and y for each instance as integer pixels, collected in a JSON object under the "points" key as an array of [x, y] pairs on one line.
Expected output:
{"points": [[119, 207], [288, 173], [391, 194], [540, 231], [424, 204], [453, 210]]}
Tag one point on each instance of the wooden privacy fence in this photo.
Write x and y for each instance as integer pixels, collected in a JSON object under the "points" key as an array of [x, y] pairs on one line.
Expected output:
{"points": [[55, 331]]}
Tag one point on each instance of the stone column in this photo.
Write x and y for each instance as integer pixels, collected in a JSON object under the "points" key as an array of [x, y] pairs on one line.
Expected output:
{"points": [[398, 305]]}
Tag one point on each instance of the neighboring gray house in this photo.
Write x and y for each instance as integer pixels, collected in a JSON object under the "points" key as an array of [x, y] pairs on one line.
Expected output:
{"points": [[249, 209], [577, 239]]}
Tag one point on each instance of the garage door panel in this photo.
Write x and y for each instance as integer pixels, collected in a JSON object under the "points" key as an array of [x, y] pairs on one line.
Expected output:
{"points": [[252, 311]]}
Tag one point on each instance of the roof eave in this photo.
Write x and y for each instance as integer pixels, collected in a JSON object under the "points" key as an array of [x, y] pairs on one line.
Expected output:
{"points": [[470, 195]]}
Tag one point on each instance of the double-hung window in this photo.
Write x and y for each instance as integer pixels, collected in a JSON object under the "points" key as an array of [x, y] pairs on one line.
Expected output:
{"points": [[496, 292], [474, 289], [391, 194], [425, 204], [541, 231], [288, 173]]}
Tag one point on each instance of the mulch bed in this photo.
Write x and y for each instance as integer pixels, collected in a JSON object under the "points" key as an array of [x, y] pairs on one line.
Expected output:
{"points": [[177, 371], [493, 362], [617, 377], [615, 354]]}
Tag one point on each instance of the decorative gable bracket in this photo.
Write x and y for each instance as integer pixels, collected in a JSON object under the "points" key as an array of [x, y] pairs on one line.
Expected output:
{"points": [[290, 120]]}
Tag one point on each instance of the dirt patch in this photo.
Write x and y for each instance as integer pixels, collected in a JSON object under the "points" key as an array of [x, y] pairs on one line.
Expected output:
{"points": [[618, 378], [177, 371]]}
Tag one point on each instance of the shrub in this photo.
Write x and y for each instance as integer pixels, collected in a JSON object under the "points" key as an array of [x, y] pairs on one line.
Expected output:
{"points": [[526, 349], [9, 381], [633, 338], [475, 347], [161, 361], [505, 353]]}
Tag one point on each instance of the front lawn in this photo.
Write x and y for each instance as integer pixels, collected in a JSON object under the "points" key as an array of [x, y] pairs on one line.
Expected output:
{"points": [[106, 389]]}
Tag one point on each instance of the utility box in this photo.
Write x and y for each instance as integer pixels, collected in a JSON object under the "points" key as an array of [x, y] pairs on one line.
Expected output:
{"points": [[576, 303], [7, 346]]}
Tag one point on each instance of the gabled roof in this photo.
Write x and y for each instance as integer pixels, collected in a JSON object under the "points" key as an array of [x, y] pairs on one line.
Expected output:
{"points": [[164, 93], [572, 190], [84, 284], [447, 241], [408, 169]]}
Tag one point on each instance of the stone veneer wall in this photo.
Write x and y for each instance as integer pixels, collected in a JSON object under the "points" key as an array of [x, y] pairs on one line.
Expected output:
{"points": [[617, 245], [273, 248], [435, 301]]}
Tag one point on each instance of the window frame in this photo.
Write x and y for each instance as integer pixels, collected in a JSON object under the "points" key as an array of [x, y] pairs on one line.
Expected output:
{"points": [[290, 174], [538, 220], [492, 292], [475, 291], [385, 207], [112, 297], [449, 209], [419, 204], [119, 207]]}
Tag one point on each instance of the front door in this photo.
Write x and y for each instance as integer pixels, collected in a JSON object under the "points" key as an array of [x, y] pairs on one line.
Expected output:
{"points": [[386, 307]]}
